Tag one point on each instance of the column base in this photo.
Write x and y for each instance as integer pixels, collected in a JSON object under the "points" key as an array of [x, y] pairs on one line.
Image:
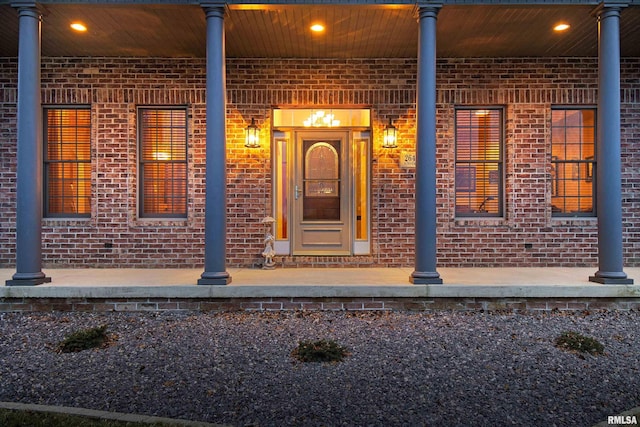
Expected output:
{"points": [[28, 282], [425, 278], [214, 278], [611, 280]]}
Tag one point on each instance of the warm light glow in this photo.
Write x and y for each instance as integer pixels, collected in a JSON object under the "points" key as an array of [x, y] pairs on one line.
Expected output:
{"points": [[317, 28], [389, 140], [79, 26], [158, 155], [561, 27], [295, 117], [321, 119], [252, 139]]}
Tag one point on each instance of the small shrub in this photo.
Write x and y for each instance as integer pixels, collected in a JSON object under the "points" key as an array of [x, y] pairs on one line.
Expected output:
{"points": [[84, 340], [319, 351], [577, 342]]}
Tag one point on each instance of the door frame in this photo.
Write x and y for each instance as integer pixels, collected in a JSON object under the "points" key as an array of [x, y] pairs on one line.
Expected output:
{"points": [[356, 121]]}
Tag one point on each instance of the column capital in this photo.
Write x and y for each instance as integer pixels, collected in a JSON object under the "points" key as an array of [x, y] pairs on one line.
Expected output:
{"points": [[609, 6], [206, 4], [429, 4], [213, 8], [426, 9], [26, 3], [28, 8]]}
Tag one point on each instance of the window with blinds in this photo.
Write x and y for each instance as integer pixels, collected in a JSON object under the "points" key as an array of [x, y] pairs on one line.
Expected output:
{"points": [[573, 161], [163, 162], [67, 161], [479, 162]]}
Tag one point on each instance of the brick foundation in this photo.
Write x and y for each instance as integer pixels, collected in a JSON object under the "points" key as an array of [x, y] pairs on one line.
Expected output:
{"points": [[511, 305]]}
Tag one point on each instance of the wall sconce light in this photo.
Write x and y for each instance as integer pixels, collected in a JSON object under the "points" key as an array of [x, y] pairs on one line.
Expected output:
{"points": [[390, 140], [252, 139]]}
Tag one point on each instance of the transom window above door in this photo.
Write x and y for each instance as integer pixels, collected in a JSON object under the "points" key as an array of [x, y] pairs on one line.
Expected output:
{"points": [[321, 117]]}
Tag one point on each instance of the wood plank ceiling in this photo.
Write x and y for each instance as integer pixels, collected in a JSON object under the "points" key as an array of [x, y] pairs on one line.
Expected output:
{"points": [[282, 31]]}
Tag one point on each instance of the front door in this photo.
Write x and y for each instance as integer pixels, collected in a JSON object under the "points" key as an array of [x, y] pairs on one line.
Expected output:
{"points": [[321, 208]]}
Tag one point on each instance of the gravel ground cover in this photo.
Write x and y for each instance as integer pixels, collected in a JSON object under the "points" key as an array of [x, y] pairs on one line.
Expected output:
{"points": [[404, 369]]}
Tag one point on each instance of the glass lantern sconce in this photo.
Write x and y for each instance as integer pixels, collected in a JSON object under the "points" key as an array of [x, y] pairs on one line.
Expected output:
{"points": [[390, 133], [252, 139]]}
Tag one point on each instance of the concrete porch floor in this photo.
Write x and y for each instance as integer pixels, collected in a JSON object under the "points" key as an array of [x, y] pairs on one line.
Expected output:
{"points": [[481, 282]]}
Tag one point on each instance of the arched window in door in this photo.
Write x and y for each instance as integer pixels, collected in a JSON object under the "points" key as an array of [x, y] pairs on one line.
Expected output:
{"points": [[321, 181]]}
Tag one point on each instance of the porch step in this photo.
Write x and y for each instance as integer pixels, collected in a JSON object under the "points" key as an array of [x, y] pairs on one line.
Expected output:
{"points": [[508, 289]]}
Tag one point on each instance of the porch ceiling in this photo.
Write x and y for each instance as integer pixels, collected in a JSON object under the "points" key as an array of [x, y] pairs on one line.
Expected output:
{"points": [[353, 31]]}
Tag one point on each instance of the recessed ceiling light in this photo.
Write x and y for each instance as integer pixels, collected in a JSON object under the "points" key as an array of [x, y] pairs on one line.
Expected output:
{"points": [[317, 28], [561, 27], [79, 26]]}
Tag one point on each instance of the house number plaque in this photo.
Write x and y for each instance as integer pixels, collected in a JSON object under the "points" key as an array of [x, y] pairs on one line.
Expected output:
{"points": [[407, 159]]}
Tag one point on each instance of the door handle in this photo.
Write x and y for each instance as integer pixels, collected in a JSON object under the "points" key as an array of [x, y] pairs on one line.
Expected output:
{"points": [[297, 194]]}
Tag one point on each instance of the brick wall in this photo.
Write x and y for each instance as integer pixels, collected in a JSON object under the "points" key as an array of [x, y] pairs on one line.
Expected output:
{"points": [[527, 88], [630, 156], [465, 304]]}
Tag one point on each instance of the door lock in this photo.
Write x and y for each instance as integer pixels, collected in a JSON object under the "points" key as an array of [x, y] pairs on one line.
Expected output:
{"points": [[298, 191]]}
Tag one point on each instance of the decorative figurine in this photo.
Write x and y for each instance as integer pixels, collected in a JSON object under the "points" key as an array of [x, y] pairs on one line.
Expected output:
{"points": [[269, 240]]}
